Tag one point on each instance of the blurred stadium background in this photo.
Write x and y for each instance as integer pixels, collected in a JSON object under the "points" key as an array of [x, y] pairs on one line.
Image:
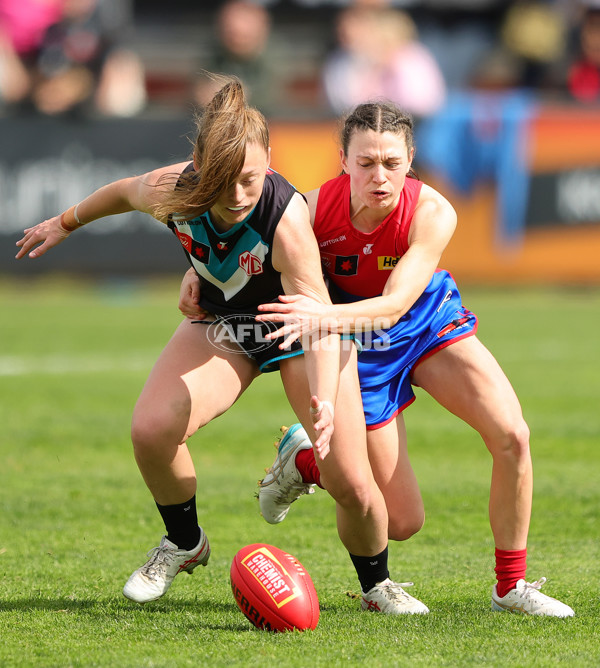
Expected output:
{"points": [[505, 95]]}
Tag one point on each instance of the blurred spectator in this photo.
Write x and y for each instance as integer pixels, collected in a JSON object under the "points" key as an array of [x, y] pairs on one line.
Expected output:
{"points": [[534, 35], [23, 24], [379, 56], [78, 66], [241, 49], [584, 74]]}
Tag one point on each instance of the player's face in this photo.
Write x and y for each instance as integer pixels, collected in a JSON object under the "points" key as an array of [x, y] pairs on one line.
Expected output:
{"points": [[377, 163], [243, 194]]}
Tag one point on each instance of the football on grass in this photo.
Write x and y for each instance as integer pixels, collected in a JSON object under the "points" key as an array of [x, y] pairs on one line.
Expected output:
{"points": [[273, 590]]}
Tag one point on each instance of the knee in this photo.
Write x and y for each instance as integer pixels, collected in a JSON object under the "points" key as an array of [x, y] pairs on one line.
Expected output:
{"points": [[403, 527], [154, 431], [356, 495], [514, 442]]}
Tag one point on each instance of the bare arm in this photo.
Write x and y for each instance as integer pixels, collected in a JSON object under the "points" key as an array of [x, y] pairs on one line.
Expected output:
{"points": [[296, 257], [139, 193], [433, 225], [432, 228]]}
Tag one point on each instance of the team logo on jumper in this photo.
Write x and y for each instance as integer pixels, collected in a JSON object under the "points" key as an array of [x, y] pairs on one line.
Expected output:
{"points": [[386, 262], [346, 265], [251, 264], [368, 249]]}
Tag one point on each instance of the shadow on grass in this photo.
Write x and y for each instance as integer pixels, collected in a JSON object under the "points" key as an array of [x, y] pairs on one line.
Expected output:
{"points": [[124, 608]]}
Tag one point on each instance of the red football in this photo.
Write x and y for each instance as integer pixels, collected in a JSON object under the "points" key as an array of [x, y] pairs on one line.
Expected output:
{"points": [[273, 590]]}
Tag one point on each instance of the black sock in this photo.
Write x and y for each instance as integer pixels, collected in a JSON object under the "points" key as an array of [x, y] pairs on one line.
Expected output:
{"points": [[371, 570], [181, 523]]}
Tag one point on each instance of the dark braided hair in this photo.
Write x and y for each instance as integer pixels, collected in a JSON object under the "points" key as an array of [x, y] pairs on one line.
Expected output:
{"points": [[379, 117]]}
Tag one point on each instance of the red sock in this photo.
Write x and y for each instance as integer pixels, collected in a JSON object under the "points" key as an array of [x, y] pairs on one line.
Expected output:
{"points": [[307, 465], [510, 568]]}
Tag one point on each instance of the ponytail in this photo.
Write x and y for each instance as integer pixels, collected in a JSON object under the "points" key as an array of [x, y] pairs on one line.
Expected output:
{"points": [[224, 129]]}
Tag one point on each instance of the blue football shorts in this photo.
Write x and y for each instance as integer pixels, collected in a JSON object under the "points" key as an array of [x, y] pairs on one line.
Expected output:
{"points": [[436, 320]]}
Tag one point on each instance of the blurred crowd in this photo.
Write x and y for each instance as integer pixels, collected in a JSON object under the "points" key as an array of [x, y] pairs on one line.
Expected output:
{"points": [[68, 57], [82, 57]]}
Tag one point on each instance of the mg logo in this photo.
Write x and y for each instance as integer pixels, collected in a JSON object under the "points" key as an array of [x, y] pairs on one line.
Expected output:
{"points": [[250, 263]]}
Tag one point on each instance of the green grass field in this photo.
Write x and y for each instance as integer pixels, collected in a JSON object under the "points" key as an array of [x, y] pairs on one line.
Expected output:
{"points": [[77, 518]]}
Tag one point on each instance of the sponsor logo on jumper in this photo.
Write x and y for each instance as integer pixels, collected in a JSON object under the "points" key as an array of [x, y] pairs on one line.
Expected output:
{"points": [[272, 575], [367, 250], [324, 244], [251, 264], [386, 262], [222, 245]]}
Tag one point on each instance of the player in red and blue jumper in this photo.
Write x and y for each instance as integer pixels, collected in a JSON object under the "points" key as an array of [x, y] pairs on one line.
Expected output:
{"points": [[381, 234]]}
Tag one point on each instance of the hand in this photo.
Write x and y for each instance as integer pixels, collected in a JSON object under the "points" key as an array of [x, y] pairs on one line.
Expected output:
{"points": [[321, 413], [45, 236], [300, 314], [189, 297]]}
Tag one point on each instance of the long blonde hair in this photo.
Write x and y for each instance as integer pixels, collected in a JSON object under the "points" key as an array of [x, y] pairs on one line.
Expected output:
{"points": [[224, 129]]}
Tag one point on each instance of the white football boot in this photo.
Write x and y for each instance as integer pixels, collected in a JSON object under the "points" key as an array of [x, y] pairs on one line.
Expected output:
{"points": [[527, 599], [154, 578], [283, 483], [389, 597]]}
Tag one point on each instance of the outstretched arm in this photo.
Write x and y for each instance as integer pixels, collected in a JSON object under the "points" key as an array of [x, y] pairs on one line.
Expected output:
{"points": [[296, 257], [432, 228], [140, 193]]}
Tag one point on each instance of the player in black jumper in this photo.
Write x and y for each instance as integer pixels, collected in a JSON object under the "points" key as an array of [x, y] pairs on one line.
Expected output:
{"points": [[247, 234]]}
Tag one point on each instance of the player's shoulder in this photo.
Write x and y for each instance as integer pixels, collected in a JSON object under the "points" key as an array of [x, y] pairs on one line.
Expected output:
{"points": [[312, 197], [159, 175], [432, 200]]}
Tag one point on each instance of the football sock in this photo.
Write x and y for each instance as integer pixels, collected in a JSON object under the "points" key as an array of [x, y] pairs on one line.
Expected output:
{"points": [[371, 570], [181, 523], [307, 466], [510, 568]]}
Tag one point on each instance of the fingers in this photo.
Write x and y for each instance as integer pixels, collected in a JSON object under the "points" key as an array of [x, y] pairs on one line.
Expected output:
{"points": [[276, 312], [195, 293], [279, 307], [26, 245], [291, 332], [288, 341], [46, 234], [271, 317], [321, 446], [322, 414]]}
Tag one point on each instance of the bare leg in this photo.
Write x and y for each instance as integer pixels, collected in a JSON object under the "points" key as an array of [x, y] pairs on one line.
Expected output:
{"points": [[191, 383], [345, 472], [396, 479], [466, 379]]}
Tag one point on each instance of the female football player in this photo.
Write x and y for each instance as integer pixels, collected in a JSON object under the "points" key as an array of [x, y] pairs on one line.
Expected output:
{"points": [[247, 234], [381, 233]]}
